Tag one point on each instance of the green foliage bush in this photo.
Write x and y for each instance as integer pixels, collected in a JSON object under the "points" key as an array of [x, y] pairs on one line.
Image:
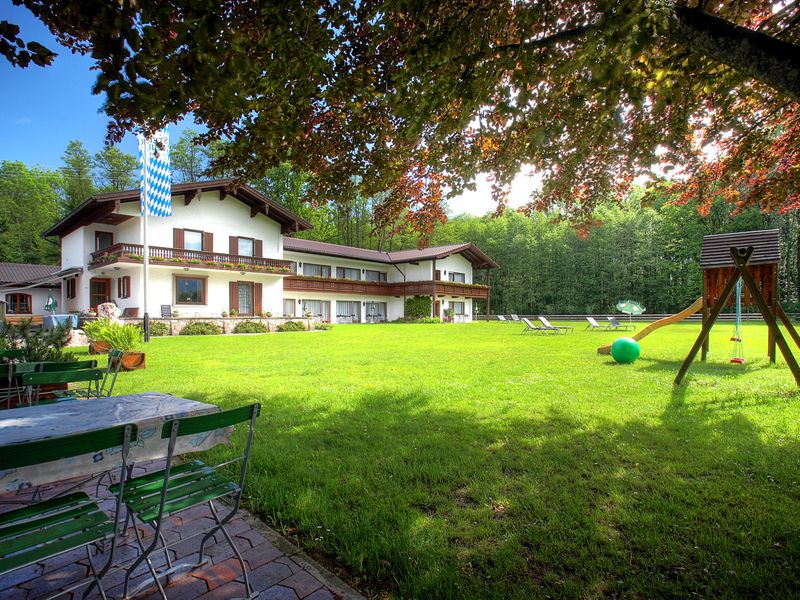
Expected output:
{"points": [[158, 329], [201, 328], [291, 326], [39, 344], [429, 320], [251, 327], [418, 306], [323, 326], [120, 337]]}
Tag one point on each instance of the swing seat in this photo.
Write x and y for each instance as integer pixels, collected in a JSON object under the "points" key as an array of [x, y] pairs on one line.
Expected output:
{"points": [[736, 339], [738, 361]]}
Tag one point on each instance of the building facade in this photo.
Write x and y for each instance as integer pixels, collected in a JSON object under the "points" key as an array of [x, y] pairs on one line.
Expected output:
{"points": [[229, 250]]}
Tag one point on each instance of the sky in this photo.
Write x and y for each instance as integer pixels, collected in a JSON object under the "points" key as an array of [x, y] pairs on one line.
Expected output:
{"points": [[42, 109]]}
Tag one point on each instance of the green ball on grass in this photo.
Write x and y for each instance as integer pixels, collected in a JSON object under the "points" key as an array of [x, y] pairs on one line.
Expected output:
{"points": [[625, 350]]}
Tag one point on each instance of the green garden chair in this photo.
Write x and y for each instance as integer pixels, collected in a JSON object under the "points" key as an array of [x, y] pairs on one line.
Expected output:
{"points": [[13, 354], [49, 367], [40, 531], [109, 379], [33, 383], [153, 497]]}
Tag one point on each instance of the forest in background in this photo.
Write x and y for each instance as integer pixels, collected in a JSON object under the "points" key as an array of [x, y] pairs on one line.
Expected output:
{"points": [[649, 253]]}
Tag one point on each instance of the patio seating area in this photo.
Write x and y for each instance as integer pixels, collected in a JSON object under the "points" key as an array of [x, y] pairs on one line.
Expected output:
{"points": [[277, 569]]}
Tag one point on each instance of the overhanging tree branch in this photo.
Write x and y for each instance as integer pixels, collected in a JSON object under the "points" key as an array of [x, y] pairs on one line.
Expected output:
{"points": [[752, 53]]}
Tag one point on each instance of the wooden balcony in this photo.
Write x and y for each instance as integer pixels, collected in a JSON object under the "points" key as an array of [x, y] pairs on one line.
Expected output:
{"points": [[178, 257], [383, 288]]}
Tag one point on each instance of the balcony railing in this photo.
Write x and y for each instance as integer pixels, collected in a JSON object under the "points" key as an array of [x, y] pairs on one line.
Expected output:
{"points": [[383, 288], [179, 257]]}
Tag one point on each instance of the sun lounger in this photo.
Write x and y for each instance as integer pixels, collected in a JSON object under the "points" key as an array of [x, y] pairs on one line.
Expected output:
{"points": [[530, 327], [594, 325], [554, 328], [617, 326], [515, 317], [502, 319]]}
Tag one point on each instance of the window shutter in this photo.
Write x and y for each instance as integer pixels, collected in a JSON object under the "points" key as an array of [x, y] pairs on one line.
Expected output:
{"points": [[177, 238], [257, 299], [234, 288], [119, 288], [258, 249], [233, 247], [208, 241]]}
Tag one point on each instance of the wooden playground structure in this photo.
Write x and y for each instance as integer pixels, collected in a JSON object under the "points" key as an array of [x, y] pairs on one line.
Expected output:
{"points": [[754, 258]]}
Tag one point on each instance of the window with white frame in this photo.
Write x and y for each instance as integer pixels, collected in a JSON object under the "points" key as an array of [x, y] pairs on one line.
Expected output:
{"points": [[346, 273], [246, 246], [458, 308], [192, 240], [312, 270], [371, 275], [458, 277]]}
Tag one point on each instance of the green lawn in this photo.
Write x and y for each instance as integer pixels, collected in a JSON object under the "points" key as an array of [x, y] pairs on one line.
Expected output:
{"points": [[469, 461]]}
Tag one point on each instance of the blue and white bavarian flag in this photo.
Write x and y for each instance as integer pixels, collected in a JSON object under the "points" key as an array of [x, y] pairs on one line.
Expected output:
{"points": [[156, 178]]}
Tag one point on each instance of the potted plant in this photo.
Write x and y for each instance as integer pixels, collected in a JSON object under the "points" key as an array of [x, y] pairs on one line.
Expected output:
{"points": [[449, 313], [126, 338], [176, 314], [96, 331], [234, 312], [266, 314], [224, 313]]}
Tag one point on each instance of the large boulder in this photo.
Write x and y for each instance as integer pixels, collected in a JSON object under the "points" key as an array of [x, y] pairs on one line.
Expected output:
{"points": [[109, 310]]}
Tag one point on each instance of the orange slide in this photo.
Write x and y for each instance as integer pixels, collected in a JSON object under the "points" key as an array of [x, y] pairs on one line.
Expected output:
{"points": [[676, 318]]}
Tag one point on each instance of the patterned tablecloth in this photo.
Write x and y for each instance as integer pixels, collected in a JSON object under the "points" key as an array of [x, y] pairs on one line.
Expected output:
{"points": [[148, 411]]}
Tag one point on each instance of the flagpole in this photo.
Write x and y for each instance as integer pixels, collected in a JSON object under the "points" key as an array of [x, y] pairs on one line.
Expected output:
{"points": [[146, 246]]}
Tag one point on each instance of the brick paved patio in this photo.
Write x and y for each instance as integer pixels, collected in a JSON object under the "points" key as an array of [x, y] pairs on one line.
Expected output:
{"points": [[278, 569]]}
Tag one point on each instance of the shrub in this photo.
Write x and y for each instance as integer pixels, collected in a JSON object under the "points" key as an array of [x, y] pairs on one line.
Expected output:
{"points": [[157, 328], [291, 326], [429, 320], [39, 344], [323, 326], [418, 307], [118, 336], [201, 328], [234, 312], [251, 327]]}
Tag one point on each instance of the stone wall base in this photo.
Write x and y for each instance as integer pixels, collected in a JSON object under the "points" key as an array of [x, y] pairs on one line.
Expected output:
{"points": [[227, 324]]}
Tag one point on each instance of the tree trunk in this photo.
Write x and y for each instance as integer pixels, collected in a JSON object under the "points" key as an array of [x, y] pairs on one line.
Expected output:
{"points": [[754, 54]]}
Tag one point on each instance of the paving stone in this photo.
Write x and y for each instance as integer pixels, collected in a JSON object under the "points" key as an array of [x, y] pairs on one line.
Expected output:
{"points": [[278, 592], [323, 594], [14, 578], [183, 588], [220, 574], [232, 589], [302, 583], [260, 555], [55, 580], [14, 593], [293, 566], [268, 575], [253, 537]]}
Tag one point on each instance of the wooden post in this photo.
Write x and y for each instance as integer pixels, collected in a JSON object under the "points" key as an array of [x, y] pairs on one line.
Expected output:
{"points": [[704, 313], [766, 312], [488, 293], [773, 311], [704, 331], [787, 323]]}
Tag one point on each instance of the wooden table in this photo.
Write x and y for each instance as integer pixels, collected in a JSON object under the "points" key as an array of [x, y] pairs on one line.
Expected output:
{"points": [[148, 411]]}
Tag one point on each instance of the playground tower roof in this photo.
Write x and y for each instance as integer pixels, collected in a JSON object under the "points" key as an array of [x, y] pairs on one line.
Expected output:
{"points": [[716, 250]]}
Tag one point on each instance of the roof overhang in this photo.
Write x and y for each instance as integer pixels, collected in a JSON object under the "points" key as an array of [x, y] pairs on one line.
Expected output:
{"points": [[102, 208], [56, 277]]}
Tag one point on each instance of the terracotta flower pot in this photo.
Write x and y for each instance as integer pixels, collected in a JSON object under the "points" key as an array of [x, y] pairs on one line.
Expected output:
{"points": [[133, 360], [99, 347]]}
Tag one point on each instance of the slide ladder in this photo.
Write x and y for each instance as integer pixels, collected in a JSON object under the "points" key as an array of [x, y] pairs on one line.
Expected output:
{"points": [[676, 318]]}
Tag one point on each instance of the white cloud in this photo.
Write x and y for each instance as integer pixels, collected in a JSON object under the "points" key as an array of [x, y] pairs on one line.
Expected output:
{"points": [[479, 202], [22, 121]]}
